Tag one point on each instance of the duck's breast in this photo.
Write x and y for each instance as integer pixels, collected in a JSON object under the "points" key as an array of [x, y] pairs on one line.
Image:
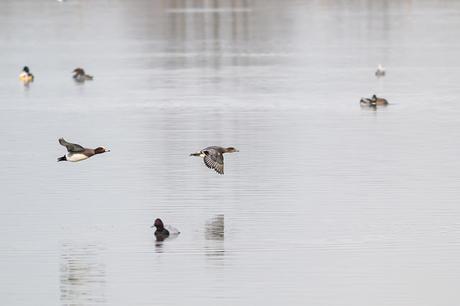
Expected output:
{"points": [[25, 77], [75, 157]]}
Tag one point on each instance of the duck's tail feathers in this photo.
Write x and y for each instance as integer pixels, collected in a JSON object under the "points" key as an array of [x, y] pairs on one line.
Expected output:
{"points": [[63, 158]]}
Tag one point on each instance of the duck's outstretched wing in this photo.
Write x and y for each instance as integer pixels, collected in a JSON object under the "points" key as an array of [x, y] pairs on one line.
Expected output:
{"points": [[71, 147], [214, 160]]}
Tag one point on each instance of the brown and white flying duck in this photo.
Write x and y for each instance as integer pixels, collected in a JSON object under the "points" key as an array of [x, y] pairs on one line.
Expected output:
{"points": [[77, 153]]}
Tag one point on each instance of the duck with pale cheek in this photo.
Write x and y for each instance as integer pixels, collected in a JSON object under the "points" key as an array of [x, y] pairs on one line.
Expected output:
{"points": [[213, 157], [77, 153]]}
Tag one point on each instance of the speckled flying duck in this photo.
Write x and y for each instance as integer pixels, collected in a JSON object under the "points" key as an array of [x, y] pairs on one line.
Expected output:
{"points": [[213, 157]]}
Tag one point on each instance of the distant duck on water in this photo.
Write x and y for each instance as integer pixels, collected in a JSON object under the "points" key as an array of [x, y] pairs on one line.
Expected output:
{"points": [[81, 76], [213, 157], [380, 72], [77, 153], [26, 76], [374, 101]]}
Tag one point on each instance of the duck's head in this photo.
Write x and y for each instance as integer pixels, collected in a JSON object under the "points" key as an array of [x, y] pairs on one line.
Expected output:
{"points": [[231, 150], [374, 97], [100, 150], [26, 69], [158, 224], [79, 71]]}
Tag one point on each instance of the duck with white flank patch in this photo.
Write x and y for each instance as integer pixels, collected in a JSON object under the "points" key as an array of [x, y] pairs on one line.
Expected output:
{"points": [[213, 157], [26, 76], [81, 76], [77, 153]]}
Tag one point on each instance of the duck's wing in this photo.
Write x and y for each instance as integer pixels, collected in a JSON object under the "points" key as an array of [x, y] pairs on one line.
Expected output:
{"points": [[71, 147], [214, 160]]}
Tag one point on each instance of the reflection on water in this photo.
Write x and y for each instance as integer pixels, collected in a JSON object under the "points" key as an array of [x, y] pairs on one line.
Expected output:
{"points": [[214, 235], [207, 34], [82, 274], [215, 228]]}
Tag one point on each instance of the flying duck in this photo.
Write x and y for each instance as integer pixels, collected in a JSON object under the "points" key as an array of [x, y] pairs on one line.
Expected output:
{"points": [[81, 76], [26, 76], [161, 232], [373, 101], [213, 157], [380, 72], [77, 152]]}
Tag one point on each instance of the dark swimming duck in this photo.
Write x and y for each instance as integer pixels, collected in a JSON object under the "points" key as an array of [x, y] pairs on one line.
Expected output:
{"points": [[213, 157], [77, 152], [26, 76], [373, 101], [81, 76], [161, 232]]}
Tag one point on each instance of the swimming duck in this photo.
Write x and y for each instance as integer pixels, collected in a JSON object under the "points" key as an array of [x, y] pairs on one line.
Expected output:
{"points": [[213, 157], [161, 232], [81, 76], [373, 101], [77, 152], [380, 72], [26, 76]]}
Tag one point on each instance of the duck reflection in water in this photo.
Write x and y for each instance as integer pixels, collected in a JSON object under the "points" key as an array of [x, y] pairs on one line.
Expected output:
{"points": [[214, 235], [215, 228]]}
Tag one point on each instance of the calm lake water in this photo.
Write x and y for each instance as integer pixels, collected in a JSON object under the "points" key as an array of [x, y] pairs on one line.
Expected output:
{"points": [[326, 203]]}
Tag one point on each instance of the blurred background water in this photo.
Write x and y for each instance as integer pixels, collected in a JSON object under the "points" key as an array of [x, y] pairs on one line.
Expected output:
{"points": [[326, 203]]}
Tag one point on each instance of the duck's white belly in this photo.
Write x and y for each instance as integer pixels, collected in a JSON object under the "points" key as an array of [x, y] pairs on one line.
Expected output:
{"points": [[75, 157]]}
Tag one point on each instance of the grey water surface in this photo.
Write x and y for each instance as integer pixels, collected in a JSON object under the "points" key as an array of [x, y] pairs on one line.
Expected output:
{"points": [[326, 203]]}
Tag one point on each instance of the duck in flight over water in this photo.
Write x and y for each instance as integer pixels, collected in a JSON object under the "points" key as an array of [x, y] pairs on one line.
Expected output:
{"points": [[213, 157], [77, 153]]}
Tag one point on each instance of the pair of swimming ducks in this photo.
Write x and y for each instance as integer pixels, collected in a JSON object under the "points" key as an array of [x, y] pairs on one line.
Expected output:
{"points": [[79, 75], [213, 156]]}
